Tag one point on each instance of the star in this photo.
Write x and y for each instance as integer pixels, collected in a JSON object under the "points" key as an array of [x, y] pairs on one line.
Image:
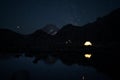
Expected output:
{"points": [[18, 27]]}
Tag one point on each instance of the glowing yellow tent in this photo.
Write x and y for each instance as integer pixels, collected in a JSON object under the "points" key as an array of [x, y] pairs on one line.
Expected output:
{"points": [[87, 43]]}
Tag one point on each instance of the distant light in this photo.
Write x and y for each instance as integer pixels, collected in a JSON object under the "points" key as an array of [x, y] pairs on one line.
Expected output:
{"points": [[68, 42], [88, 55], [83, 78], [87, 43], [18, 27]]}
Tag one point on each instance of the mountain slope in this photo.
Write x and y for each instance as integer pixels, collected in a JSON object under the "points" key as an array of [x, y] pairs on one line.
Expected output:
{"points": [[50, 29], [10, 40], [104, 30]]}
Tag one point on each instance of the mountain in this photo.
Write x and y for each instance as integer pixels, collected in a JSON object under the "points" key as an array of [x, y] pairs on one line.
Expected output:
{"points": [[70, 32], [50, 29], [39, 40], [10, 40], [105, 30]]}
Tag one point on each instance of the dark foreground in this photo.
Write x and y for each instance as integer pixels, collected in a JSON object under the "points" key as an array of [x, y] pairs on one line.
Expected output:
{"points": [[66, 65]]}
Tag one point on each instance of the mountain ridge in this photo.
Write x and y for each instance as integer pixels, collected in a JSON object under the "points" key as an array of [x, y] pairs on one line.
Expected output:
{"points": [[103, 31]]}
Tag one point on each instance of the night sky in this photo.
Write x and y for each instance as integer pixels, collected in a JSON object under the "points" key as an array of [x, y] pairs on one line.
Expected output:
{"points": [[26, 16]]}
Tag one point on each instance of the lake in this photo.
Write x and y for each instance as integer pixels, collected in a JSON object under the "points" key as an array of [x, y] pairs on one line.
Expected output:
{"points": [[48, 67]]}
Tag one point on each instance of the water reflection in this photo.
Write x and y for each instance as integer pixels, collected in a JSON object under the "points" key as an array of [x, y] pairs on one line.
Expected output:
{"points": [[88, 55], [21, 75], [83, 77], [59, 66]]}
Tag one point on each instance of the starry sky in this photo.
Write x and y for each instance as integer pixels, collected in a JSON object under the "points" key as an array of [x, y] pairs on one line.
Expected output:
{"points": [[26, 16]]}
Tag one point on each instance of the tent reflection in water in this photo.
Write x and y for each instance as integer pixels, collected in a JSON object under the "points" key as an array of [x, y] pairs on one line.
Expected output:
{"points": [[88, 56]]}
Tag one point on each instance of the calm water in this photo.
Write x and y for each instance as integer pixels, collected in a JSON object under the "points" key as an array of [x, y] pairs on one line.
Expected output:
{"points": [[51, 68]]}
